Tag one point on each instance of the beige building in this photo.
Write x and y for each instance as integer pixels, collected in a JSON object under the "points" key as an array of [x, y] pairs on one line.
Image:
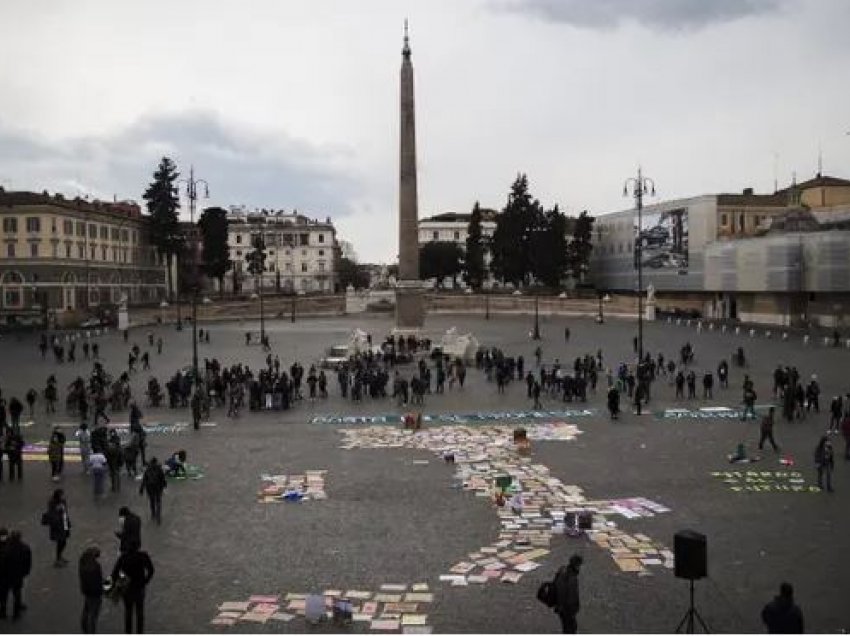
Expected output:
{"points": [[300, 252], [63, 259]]}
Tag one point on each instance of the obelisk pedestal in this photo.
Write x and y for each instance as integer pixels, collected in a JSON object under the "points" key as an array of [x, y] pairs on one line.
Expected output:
{"points": [[410, 292]]}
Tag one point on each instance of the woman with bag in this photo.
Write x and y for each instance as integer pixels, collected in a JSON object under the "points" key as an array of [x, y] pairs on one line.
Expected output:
{"points": [[91, 585], [57, 519]]}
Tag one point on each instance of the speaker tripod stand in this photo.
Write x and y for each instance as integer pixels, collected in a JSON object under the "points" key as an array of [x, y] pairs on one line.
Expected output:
{"points": [[688, 619]]}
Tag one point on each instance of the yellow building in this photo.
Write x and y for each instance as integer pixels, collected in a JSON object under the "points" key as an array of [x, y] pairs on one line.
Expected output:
{"points": [[63, 259]]}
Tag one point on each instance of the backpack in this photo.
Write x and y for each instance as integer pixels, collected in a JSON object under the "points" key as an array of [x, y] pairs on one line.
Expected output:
{"points": [[547, 593]]}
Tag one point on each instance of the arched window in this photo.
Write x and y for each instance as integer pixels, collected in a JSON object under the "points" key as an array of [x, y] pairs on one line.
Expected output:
{"points": [[11, 284]]}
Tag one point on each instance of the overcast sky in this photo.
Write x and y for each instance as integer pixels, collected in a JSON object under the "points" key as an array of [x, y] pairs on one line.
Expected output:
{"points": [[295, 104]]}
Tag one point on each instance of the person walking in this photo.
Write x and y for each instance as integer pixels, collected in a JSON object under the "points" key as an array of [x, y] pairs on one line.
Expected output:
{"points": [[56, 453], [154, 483], [566, 594], [137, 566], [129, 529], [782, 615], [767, 430], [825, 462], [91, 585], [31, 397], [15, 566], [59, 523]]}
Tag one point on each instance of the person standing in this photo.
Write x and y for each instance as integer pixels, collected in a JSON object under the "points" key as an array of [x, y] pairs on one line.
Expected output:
{"points": [[15, 410], [114, 458], [129, 529], [782, 615], [83, 436], [767, 430], [825, 462], [91, 585], [845, 430], [136, 427], [13, 445], [59, 523], [15, 566], [137, 566], [98, 465], [566, 593], [56, 453], [153, 483]]}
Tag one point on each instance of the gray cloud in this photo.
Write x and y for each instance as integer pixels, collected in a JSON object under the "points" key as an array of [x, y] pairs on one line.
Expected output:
{"points": [[666, 15], [241, 166]]}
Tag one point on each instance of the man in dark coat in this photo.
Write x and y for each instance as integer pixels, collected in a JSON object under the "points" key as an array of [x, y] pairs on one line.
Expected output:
{"points": [[566, 591], [136, 565], [15, 566], [131, 529], [153, 482], [782, 615]]}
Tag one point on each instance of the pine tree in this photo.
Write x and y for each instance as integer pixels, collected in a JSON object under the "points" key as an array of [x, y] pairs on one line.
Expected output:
{"points": [[474, 267], [163, 204], [512, 240], [216, 254]]}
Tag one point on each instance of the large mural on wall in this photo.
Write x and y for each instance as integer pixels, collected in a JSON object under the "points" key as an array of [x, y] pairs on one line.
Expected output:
{"points": [[661, 241]]}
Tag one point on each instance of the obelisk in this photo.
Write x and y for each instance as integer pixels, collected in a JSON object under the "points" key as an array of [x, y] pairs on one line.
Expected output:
{"points": [[410, 307]]}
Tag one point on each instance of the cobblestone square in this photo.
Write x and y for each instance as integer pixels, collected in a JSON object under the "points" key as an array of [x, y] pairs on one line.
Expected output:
{"points": [[394, 516]]}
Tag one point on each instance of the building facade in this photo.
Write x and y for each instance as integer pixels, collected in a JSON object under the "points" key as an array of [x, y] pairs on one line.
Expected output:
{"points": [[301, 253], [777, 258], [62, 258], [453, 227]]}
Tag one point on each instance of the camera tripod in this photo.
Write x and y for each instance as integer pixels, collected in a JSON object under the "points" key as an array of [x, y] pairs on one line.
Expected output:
{"points": [[688, 619]]}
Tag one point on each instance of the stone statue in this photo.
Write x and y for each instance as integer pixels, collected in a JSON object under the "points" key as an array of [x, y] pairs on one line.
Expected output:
{"points": [[650, 293]]}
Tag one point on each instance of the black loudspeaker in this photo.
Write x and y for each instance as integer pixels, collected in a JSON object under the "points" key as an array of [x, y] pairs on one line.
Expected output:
{"points": [[691, 552], [585, 520]]}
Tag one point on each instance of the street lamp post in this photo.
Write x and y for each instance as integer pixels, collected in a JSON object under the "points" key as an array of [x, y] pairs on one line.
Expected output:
{"points": [[640, 186], [487, 306], [192, 193]]}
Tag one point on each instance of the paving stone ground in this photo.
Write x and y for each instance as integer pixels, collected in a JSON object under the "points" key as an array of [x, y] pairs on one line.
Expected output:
{"points": [[388, 520]]}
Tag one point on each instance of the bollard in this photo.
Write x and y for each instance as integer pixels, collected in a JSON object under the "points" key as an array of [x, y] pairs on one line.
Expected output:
{"points": [[784, 335], [848, 343], [678, 321], [752, 333], [767, 334], [805, 340], [711, 326], [737, 331], [723, 329], [826, 340]]}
